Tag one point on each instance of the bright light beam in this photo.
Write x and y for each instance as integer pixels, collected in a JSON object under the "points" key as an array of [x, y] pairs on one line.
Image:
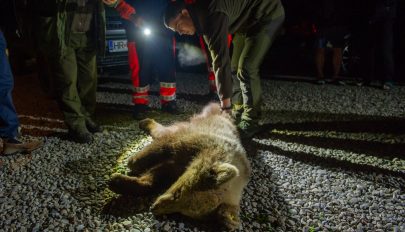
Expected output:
{"points": [[147, 31]]}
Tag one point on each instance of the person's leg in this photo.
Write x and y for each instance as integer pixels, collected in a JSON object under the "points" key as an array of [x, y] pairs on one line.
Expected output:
{"points": [[368, 48], [66, 88], [68, 98], [141, 81], [87, 85], [8, 117], [137, 64], [238, 45], [254, 49], [319, 62], [319, 58], [387, 46], [138, 97], [337, 63], [336, 38], [166, 68]]}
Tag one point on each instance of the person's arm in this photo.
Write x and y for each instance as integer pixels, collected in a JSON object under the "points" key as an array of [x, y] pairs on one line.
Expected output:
{"points": [[216, 37], [111, 3], [125, 10]]}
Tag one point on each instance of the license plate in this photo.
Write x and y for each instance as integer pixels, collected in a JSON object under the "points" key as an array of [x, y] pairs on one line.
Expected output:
{"points": [[117, 45]]}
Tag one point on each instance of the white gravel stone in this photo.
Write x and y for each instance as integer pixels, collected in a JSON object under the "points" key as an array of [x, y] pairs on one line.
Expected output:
{"points": [[62, 187]]}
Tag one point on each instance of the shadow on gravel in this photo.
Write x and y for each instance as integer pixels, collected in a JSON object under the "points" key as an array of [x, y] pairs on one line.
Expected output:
{"points": [[329, 124], [378, 127], [329, 162], [355, 124], [93, 173], [126, 206], [377, 149]]}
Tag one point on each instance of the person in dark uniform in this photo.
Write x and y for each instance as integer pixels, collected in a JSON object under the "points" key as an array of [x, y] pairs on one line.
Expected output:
{"points": [[254, 24], [69, 34], [377, 35], [148, 53]]}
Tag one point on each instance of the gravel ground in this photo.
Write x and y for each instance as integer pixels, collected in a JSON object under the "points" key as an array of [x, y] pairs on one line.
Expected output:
{"points": [[331, 159]]}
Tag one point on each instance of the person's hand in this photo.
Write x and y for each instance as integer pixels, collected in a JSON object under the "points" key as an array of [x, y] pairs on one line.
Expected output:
{"points": [[110, 2], [137, 20], [226, 105]]}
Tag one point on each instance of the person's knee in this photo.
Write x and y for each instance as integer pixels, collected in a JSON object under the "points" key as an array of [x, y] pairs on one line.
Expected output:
{"points": [[6, 85], [248, 71]]}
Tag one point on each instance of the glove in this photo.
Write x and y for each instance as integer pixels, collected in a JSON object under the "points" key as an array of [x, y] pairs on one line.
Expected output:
{"points": [[137, 20], [125, 10], [111, 3]]}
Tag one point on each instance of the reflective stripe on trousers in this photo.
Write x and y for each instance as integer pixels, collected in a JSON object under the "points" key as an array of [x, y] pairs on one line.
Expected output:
{"points": [[167, 92]]}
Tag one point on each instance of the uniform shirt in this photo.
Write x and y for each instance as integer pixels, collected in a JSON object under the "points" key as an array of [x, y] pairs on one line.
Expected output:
{"points": [[81, 15], [215, 19]]}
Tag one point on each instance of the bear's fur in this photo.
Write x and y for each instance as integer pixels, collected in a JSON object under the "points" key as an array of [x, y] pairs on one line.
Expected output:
{"points": [[200, 166]]}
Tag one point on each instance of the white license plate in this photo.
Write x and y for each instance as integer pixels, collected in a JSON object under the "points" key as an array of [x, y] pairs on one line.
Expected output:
{"points": [[117, 45]]}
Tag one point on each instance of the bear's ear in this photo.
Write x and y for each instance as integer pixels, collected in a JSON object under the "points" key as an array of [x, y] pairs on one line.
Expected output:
{"points": [[215, 176], [224, 172]]}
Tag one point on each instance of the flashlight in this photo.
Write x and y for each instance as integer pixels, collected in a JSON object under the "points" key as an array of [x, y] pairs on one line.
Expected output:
{"points": [[147, 31]]}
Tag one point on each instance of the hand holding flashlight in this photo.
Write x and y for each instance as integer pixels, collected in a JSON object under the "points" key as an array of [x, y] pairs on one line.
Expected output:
{"points": [[137, 20], [110, 2], [147, 31]]}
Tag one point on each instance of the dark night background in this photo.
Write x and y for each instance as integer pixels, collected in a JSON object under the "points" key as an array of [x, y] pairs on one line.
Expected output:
{"points": [[290, 55]]}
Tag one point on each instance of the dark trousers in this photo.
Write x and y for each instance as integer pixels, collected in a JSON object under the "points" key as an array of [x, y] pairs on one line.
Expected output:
{"points": [[8, 117], [378, 41], [150, 55], [247, 56], [76, 81], [155, 53]]}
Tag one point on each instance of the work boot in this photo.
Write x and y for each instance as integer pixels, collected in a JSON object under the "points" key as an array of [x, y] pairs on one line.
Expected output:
{"points": [[93, 127], [387, 85], [170, 107], [236, 113], [338, 81], [13, 146], [139, 111], [80, 135], [248, 126]]}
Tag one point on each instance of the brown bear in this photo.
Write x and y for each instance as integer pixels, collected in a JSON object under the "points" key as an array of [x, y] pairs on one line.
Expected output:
{"points": [[199, 165]]}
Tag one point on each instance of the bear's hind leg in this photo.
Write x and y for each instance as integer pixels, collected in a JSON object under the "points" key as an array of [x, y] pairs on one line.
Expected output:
{"points": [[154, 180], [154, 154], [129, 185]]}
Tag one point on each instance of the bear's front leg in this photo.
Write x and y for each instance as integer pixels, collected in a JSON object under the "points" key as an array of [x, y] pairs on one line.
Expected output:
{"points": [[228, 216]]}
